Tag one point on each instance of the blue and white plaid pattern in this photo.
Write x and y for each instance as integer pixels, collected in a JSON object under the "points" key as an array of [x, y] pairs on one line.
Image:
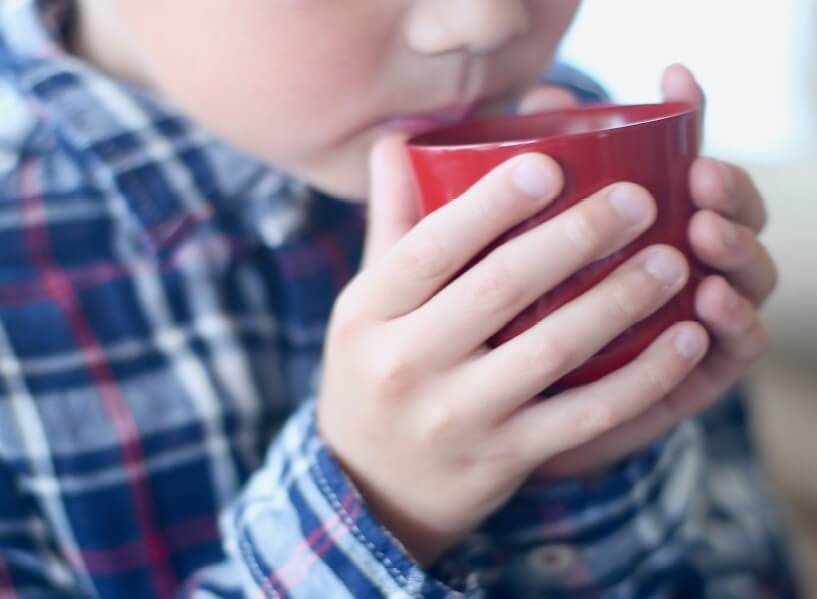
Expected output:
{"points": [[163, 301]]}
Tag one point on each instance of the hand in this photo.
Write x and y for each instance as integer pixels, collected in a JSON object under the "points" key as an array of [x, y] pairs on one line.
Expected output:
{"points": [[723, 234], [436, 429]]}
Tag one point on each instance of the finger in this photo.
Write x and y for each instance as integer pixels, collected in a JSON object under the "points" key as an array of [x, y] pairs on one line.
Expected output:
{"points": [[678, 84], [721, 307], [501, 380], [728, 190], [547, 428], [392, 203], [441, 244], [491, 293], [547, 97], [739, 339], [736, 251]]}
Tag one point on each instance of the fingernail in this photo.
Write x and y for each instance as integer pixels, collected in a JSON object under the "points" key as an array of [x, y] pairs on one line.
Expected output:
{"points": [[630, 202], [729, 234], [689, 344], [532, 177], [665, 268]]}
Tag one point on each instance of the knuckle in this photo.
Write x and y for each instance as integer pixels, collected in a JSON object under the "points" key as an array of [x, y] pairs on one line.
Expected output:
{"points": [[349, 312], [547, 355], [391, 371], [629, 301], [660, 378], [597, 420], [497, 287], [491, 207], [583, 234], [424, 255], [439, 424], [506, 449]]}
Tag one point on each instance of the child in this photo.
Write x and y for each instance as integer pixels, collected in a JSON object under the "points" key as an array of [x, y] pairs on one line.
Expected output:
{"points": [[166, 296]]}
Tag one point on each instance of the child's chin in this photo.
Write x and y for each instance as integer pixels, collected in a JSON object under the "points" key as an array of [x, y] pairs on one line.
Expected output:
{"points": [[356, 196], [343, 187], [347, 180], [343, 174]]}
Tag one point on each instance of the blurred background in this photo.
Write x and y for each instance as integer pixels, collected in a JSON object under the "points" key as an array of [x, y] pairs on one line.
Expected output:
{"points": [[757, 61]]}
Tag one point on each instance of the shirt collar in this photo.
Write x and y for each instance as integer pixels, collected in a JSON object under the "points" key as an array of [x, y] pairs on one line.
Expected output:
{"points": [[170, 172]]}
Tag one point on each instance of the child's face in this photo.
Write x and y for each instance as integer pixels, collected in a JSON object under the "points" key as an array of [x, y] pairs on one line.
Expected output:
{"points": [[308, 85]]}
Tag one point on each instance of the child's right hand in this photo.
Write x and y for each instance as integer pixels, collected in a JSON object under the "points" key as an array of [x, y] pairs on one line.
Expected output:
{"points": [[436, 429]]}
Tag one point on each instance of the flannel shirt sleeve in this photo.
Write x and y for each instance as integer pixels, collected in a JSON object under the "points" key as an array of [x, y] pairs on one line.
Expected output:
{"points": [[300, 529], [618, 534], [688, 516]]}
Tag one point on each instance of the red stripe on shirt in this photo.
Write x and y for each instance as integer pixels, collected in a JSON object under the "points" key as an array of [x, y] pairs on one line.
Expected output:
{"points": [[131, 556], [296, 567], [6, 583], [86, 277], [60, 290], [329, 540]]}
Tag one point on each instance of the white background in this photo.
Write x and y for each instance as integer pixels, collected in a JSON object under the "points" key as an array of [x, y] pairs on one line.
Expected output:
{"points": [[755, 59]]}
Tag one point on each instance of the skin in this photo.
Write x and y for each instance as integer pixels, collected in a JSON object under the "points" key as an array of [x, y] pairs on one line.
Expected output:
{"points": [[436, 430], [409, 58]]}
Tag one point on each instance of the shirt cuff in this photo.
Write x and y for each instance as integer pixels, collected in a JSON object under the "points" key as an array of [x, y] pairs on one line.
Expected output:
{"points": [[579, 536], [301, 529]]}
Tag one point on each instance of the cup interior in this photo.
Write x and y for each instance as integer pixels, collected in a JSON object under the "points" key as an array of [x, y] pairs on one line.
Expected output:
{"points": [[534, 127]]}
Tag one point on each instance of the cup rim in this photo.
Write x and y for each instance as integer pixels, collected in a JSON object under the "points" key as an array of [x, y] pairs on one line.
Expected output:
{"points": [[671, 110]]}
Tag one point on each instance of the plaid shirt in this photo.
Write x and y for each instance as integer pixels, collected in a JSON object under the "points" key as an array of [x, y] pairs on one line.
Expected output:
{"points": [[163, 301]]}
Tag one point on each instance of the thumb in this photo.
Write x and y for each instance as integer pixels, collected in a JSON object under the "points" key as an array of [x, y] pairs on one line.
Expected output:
{"points": [[393, 207], [678, 84], [547, 97]]}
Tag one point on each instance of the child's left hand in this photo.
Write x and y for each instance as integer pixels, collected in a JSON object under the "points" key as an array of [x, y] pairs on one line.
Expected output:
{"points": [[724, 235]]}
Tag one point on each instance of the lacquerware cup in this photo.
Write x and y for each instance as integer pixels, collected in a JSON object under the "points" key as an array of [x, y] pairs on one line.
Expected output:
{"points": [[653, 145]]}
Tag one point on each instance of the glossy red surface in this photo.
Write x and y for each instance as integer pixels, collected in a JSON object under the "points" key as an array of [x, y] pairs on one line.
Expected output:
{"points": [[653, 145]]}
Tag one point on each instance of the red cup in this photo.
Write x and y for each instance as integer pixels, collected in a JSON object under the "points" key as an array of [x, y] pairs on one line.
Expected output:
{"points": [[653, 145]]}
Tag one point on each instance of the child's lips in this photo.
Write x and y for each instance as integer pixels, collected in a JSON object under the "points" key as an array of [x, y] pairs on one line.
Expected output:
{"points": [[422, 122], [452, 115]]}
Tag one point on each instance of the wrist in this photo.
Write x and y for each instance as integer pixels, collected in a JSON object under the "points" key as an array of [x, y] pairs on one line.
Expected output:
{"points": [[405, 513], [412, 529]]}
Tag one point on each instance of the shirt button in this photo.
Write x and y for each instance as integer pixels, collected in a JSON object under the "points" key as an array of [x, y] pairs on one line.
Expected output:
{"points": [[553, 560]]}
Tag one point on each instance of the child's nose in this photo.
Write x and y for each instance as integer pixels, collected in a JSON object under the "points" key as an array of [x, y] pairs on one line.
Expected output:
{"points": [[438, 26]]}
